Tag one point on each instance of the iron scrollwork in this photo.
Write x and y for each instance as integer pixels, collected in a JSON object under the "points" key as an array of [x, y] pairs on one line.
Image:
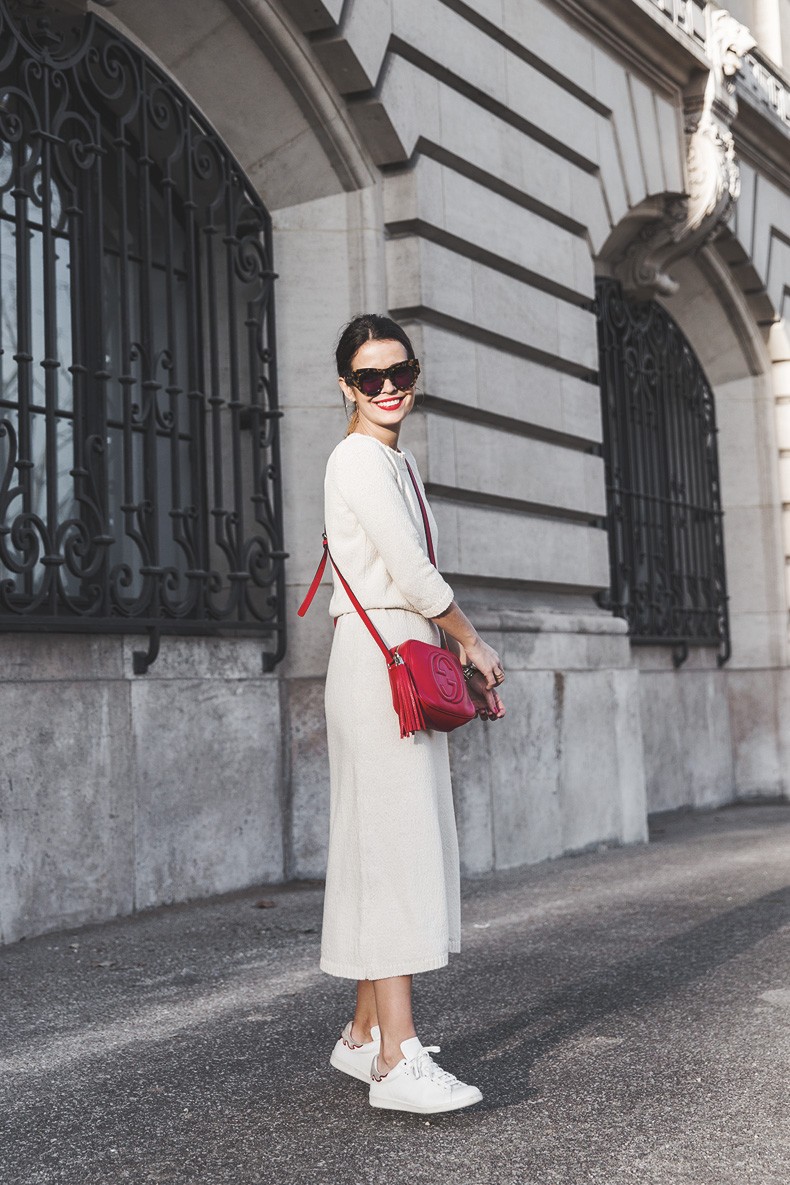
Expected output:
{"points": [[139, 450], [666, 541]]}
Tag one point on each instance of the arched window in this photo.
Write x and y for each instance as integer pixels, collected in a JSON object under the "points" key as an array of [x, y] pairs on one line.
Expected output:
{"points": [[666, 543], [139, 467]]}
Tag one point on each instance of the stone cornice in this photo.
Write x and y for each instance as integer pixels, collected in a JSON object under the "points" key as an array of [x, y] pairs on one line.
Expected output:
{"points": [[544, 621], [659, 38], [640, 33]]}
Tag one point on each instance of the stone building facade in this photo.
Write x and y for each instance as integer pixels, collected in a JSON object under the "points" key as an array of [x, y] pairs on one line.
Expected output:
{"points": [[474, 167]]}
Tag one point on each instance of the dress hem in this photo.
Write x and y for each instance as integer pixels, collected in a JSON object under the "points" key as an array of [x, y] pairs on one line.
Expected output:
{"points": [[386, 971]]}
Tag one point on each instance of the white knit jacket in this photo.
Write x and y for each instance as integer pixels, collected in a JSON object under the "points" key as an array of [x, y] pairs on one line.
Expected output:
{"points": [[375, 530]]}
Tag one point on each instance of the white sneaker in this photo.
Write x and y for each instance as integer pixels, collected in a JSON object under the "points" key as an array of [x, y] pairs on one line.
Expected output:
{"points": [[353, 1058], [417, 1084]]}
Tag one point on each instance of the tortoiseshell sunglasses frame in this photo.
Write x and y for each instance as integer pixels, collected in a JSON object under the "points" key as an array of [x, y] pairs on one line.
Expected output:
{"points": [[354, 376]]}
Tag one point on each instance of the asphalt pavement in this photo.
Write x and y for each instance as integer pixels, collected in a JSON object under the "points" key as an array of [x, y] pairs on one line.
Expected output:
{"points": [[626, 1014]]}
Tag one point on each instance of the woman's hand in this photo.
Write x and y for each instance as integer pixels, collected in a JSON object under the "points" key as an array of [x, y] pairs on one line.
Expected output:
{"points": [[470, 648], [487, 661], [487, 702]]}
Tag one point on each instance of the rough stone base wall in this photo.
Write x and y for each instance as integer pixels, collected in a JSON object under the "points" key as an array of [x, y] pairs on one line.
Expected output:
{"points": [[120, 792], [714, 736]]}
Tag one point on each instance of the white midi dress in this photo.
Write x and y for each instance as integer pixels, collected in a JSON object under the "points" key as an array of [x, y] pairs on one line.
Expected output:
{"points": [[392, 901]]}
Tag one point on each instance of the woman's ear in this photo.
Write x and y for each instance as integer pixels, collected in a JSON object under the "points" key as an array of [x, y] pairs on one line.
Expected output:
{"points": [[347, 391]]}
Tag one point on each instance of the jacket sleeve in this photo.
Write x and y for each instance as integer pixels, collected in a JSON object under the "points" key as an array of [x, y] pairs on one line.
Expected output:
{"points": [[369, 486]]}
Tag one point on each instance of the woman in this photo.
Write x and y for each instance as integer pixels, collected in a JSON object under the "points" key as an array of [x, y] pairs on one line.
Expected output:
{"points": [[392, 904]]}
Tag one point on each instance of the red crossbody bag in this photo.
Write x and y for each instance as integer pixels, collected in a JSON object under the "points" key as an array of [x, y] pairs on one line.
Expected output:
{"points": [[427, 682]]}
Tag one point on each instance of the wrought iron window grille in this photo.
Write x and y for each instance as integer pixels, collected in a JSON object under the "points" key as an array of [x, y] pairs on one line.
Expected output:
{"points": [[666, 544], [139, 444]]}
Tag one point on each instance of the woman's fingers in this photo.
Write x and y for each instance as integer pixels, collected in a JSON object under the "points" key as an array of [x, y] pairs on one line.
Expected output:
{"points": [[477, 691], [488, 663], [487, 701]]}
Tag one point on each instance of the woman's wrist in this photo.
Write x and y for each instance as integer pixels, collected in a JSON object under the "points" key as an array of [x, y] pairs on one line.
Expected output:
{"points": [[455, 623]]}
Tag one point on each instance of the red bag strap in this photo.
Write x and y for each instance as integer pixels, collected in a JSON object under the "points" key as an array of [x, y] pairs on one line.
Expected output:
{"points": [[305, 605], [374, 633], [429, 540], [424, 512], [313, 589]]}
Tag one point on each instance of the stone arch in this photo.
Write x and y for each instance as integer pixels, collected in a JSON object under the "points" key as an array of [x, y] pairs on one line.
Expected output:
{"points": [[733, 348], [743, 357], [252, 72], [757, 252], [724, 728], [716, 319], [249, 68], [245, 66]]}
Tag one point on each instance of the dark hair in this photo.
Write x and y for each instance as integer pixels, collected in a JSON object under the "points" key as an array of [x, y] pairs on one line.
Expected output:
{"points": [[367, 327]]}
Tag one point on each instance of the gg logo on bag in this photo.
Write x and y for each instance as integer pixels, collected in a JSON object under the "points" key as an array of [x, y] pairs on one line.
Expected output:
{"points": [[447, 680]]}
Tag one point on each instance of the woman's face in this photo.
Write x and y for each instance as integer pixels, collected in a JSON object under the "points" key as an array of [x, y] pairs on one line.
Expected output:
{"points": [[390, 407]]}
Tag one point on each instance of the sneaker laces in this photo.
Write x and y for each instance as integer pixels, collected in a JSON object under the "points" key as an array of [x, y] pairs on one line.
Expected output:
{"points": [[423, 1066]]}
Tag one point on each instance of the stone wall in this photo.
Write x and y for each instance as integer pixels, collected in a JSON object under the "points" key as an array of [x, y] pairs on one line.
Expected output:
{"points": [[486, 204], [118, 793], [517, 138], [462, 164]]}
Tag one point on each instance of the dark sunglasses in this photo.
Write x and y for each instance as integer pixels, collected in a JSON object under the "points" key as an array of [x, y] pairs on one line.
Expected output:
{"points": [[403, 376]]}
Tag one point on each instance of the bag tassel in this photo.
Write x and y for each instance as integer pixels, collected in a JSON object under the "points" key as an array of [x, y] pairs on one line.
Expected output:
{"points": [[404, 699]]}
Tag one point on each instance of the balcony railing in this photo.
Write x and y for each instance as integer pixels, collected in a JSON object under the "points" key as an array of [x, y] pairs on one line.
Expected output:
{"points": [[760, 81], [767, 86], [686, 15]]}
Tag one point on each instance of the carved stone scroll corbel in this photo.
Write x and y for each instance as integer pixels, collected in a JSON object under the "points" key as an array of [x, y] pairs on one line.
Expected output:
{"points": [[666, 228]]}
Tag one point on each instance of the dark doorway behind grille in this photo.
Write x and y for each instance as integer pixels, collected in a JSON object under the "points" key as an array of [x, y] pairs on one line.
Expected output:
{"points": [[664, 506], [139, 453]]}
